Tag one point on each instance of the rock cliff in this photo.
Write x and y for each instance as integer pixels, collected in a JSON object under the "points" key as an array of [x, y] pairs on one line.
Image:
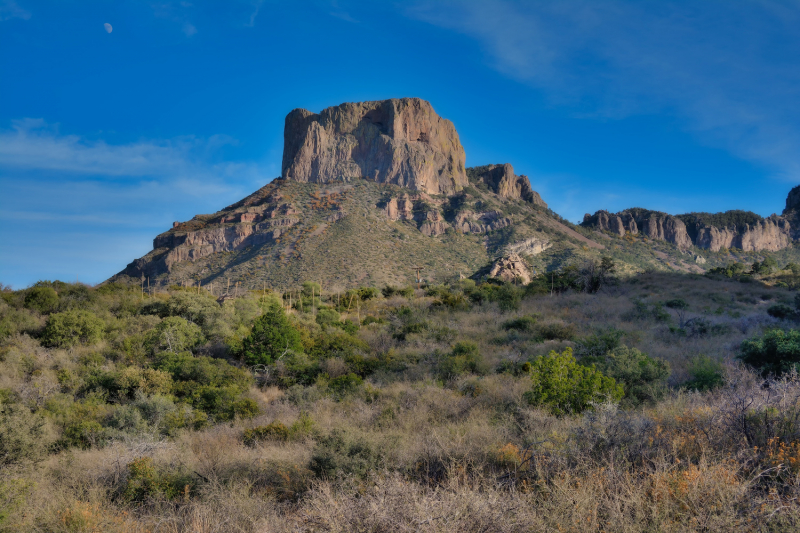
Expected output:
{"points": [[398, 141], [653, 224], [711, 231], [502, 181]]}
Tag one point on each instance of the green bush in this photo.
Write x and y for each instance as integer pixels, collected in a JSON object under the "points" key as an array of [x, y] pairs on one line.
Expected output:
{"points": [[72, 327], [175, 334], [465, 357], [345, 384], [781, 311], [21, 435], [42, 299], [338, 454], [272, 337], [273, 431], [707, 374], [145, 482], [777, 352], [643, 378], [327, 317], [598, 344], [563, 386], [555, 331], [524, 323], [209, 384]]}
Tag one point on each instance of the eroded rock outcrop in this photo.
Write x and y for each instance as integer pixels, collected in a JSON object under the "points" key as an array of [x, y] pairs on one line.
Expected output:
{"points": [[401, 208], [532, 246], [470, 222], [399, 141], [653, 224], [503, 182], [511, 268], [772, 234]]}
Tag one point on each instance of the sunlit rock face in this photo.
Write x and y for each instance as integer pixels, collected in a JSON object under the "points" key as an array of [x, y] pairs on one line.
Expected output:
{"points": [[398, 141]]}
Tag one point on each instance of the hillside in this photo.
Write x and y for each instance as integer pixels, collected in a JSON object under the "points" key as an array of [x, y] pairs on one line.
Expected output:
{"points": [[373, 191]]}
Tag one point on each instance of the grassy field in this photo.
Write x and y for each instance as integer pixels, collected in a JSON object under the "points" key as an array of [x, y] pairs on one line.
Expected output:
{"points": [[459, 407]]}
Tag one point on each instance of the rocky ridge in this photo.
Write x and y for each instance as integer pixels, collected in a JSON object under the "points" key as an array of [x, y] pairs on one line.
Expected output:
{"points": [[733, 229], [399, 141]]}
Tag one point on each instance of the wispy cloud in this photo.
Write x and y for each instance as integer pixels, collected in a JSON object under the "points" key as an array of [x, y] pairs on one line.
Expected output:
{"points": [[729, 69], [9, 9], [177, 12], [112, 198], [33, 144], [256, 8]]}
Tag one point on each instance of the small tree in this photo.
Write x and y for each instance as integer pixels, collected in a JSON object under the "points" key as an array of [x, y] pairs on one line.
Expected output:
{"points": [[72, 327], [271, 338], [563, 386], [42, 299], [775, 353], [680, 306]]}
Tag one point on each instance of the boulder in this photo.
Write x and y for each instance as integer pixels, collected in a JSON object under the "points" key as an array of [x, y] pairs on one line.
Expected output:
{"points": [[511, 268], [399, 141]]}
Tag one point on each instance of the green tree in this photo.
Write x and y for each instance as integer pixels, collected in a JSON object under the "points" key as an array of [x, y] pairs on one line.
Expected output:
{"points": [[563, 386], [775, 353], [72, 327], [175, 334], [271, 337], [42, 299], [644, 378]]}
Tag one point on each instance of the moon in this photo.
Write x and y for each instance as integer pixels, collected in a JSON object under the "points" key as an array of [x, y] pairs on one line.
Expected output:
{"points": [[108, 27]]}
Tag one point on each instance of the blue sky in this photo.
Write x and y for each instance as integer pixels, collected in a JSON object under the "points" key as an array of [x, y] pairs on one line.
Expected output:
{"points": [[107, 137]]}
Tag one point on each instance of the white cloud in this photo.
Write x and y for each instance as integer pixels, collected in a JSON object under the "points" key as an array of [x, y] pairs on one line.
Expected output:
{"points": [[10, 10], [32, 144], [729, 69], [189, 29]]}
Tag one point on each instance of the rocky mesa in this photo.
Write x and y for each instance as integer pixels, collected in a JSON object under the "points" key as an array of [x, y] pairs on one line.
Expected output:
{"points": [[399, 141]]}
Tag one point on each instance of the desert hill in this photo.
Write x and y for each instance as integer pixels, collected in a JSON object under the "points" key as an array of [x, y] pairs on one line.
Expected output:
{"points": [[371, 191]]}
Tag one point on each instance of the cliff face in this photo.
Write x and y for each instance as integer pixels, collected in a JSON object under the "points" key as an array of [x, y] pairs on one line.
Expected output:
{"points": [[770, 234], [733, 229], [503, 182], [398, 141], [655, 225]]}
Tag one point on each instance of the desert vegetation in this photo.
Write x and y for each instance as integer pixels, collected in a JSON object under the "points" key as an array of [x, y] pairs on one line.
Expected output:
{"points": [[578, 402]]}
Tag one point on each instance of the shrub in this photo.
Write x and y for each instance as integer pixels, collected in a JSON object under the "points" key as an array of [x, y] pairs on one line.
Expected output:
{"points": [[175, 334], [273, 431], [72, 327], [212, 385], [345, 384], [327, 317], [524, 323], [464, 358], [643, 378], [272, 337], [598, 344], [21, 435], [563, 386], [707, 374], [775, 353], [145, 482], [781, 311], [556, 331], [42, 299], [338, 454]]}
